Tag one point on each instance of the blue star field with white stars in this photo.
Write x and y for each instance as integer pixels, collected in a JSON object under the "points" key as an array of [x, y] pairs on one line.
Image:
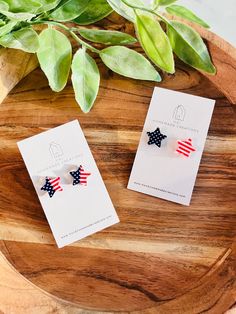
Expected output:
{"points": [[156, 137]]}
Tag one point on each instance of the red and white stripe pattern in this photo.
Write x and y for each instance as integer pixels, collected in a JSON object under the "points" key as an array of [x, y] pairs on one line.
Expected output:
{"points": [[185, 147], [83, 176], [52, 185], [55, 183], [80, 176]]}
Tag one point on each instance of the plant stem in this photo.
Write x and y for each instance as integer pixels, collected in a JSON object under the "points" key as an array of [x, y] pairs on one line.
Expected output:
{"points": [[70, 31], [147, 10]]}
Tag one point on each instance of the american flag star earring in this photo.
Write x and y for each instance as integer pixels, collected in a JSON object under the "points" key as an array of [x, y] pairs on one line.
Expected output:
{"points": [[80, 176], [52, 185], [185, 147], [156, 137]]}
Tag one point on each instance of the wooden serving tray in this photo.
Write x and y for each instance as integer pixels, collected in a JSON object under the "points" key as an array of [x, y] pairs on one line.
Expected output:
{"points": [[162, 257]]}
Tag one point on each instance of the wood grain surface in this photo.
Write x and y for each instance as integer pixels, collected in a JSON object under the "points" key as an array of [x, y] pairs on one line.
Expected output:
{"points": [[162, 257], [19, 296]]}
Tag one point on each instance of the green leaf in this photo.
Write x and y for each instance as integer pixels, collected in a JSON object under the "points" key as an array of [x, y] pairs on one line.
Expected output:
{"points": [[124, 10], [69, 10], [2, 22], [185, 13], [47, 5], [29, 6], [95, 11], [128, 62], [85, 79], [154, 4], [25, 39], [19, 6], [165, 2], [107, 37], [155, 42], [7, 28], [23, 16], [189, 46], [54, 56], [3, 6], [18, 16]]}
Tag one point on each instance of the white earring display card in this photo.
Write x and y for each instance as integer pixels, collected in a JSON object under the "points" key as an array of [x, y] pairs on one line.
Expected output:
{"points": [[68, 183], [171, 145]]}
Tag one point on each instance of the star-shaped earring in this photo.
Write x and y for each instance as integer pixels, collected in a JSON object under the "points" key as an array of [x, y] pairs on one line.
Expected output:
{"points": [[156, 137], [80, 176], [51, 186], [185, 147]]}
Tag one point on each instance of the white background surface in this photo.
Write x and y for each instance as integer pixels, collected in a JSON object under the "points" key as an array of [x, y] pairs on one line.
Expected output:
{"points": [[162, 172], [77, 211], [220, 15]]}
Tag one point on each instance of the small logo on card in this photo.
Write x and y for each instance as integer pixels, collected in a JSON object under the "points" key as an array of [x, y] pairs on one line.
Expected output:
{"points": [[179, 113], [55, 150]]}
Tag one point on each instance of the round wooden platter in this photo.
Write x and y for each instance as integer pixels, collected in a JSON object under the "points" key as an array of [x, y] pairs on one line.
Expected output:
{"points": [[162, 257]]}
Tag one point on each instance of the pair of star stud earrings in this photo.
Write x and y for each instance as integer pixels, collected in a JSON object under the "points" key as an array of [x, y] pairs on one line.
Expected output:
{"points": [[53, 185], [185, 147]]}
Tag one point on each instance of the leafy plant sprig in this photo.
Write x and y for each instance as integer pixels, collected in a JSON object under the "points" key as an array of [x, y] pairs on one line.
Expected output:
{"points": [[54, 51]]}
